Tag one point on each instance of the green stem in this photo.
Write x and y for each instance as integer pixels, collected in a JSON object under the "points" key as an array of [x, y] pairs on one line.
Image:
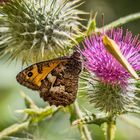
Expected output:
{"points": [[120, 22], [13, 129], [83, 128], [110, 130]]}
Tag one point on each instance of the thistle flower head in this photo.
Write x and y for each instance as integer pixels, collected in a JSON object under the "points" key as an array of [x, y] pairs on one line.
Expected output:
{"points": [[111, 90], [38, 29]]}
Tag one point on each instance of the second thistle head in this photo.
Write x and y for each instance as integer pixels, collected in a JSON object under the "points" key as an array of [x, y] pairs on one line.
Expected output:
{"points": [[37, 30]]}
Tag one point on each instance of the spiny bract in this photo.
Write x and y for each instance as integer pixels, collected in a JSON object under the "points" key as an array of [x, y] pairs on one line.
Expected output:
{"points": [[36, 30]]}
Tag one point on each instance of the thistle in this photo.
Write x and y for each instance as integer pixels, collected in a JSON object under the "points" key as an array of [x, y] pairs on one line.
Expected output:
{"points": [[36, 30], [112, 89]]}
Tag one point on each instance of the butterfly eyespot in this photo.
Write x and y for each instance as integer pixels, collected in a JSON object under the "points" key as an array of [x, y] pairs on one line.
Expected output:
{"points": [[30, 74]]}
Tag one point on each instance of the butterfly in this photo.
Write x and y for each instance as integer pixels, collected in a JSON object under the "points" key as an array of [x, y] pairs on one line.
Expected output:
{"points": [[56, 80]]}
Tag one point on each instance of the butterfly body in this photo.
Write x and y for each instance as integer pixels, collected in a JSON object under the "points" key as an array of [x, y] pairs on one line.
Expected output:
{"points": [[56, 80]]}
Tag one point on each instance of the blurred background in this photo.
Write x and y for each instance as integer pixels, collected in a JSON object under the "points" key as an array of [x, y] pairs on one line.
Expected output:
{"points": [[59, 126]]}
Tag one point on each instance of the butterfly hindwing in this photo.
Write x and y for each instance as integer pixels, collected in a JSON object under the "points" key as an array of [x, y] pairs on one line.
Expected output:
{"points": [[62, 83], [56, 80]]}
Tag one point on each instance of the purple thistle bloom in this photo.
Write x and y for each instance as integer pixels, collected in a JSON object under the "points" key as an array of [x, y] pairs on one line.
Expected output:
{"points": [[99, 61]]}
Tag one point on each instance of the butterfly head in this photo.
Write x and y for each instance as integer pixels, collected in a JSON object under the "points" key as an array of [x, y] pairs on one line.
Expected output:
{"points": [[27, 78]]}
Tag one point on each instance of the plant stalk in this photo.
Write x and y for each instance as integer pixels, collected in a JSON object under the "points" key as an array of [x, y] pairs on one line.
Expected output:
{"points": [[83, 128], [13, 129], [110, 130], [120, 22]]}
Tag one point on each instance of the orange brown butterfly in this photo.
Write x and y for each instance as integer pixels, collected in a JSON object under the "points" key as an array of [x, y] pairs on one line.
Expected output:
{"points": [[56, 80]]}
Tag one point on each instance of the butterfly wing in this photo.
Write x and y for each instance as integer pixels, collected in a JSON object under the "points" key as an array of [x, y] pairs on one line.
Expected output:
{"points": [[32, 76], [63, 90], [56, 80]]}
